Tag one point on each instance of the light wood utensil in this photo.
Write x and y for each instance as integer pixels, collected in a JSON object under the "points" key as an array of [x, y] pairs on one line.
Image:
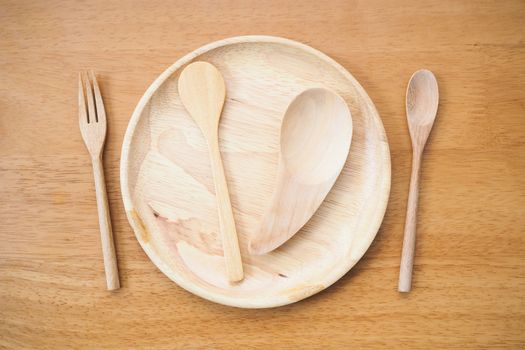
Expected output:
{"points": [[202, 92], [316, 133], [93, 128], [422, 100], [168, 190]]}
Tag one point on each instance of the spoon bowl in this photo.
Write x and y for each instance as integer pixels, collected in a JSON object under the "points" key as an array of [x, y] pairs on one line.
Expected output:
{"points": [[314, 130], [421, 105], [316, 133]]}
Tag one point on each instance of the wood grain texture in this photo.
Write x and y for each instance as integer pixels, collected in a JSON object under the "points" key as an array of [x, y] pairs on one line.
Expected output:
{"points": [[167, 187], [469, 271]]}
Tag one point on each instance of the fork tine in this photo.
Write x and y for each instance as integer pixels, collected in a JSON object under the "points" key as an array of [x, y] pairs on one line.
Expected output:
{"points": [[101, 112], [82, 115], [92, 114]]}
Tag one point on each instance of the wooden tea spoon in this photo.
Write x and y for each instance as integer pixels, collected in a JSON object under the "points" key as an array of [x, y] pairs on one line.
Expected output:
{"points": [[421, 104], [202, 91], [316, 133]]}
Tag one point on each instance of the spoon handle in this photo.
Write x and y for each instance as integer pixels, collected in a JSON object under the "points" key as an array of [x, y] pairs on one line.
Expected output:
{"points": [[230, 242], [409, 241]]}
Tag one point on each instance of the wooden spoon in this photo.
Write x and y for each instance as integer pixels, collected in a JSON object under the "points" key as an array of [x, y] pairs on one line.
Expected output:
{"points": [[316, 133], [202, 91], [421, 104]]}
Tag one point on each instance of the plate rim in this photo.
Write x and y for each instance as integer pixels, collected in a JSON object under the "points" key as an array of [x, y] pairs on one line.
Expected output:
{"points": [[138, 226]]}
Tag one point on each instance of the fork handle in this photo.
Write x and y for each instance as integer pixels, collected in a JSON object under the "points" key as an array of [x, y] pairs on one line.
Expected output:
{"points": [[106, 233]]}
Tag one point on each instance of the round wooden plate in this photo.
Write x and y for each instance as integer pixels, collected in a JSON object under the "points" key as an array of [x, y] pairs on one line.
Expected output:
{"points": [[168, 191]]}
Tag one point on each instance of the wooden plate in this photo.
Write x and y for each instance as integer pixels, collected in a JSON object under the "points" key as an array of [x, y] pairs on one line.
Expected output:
{"points": [[168, 191]]}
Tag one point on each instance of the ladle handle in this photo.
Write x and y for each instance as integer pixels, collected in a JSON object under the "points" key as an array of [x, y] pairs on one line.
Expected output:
{"points": [[409, 241], [230, 242]]}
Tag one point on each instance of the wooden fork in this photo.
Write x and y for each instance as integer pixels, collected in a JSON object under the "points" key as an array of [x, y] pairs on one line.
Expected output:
{"points": [[93, 129]]}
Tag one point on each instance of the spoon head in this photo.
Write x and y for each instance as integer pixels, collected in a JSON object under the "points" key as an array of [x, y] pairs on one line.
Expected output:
{"points": [[202, 91], [315, 136], [421, 103], [315, 140]]}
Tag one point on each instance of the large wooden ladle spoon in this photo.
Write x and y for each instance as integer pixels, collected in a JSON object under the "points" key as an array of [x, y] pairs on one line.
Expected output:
{"points": [[316, 133]]}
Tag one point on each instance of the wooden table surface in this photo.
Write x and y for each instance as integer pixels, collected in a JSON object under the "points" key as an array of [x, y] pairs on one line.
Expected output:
{"points": [[469, 282]]}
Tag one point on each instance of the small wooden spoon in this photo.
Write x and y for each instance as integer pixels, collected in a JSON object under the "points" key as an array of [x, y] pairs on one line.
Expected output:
{"points": [[316, 133], [421, 104], [202, 91]]}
